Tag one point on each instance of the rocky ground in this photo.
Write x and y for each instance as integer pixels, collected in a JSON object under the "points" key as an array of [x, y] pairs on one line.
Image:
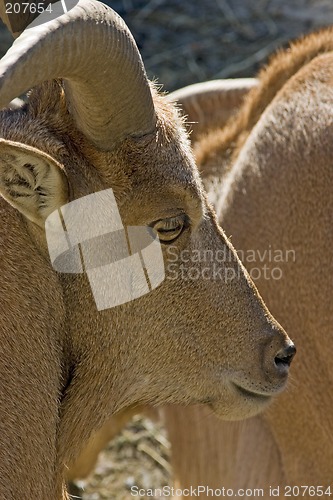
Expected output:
{"points": [[184, 42], [138, 457]]}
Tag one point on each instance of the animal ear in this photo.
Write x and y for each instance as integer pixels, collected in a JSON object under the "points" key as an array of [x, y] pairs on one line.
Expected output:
{"points": [[31, 181]]}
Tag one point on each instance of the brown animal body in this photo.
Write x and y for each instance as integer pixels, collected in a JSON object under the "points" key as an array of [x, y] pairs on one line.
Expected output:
{"points": [[269, 174], [65, 367]]}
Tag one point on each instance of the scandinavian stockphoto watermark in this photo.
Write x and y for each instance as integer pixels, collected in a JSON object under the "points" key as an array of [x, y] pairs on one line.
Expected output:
{"points": [[122, 263], [219, 264], [224, 492]]}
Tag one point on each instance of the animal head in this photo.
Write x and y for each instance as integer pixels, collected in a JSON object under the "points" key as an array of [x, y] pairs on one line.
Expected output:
{"points": [[269, 172], [93, 122]]}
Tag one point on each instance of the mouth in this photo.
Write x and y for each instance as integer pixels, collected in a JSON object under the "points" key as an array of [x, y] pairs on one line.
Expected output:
{"points": [[257, 396], [241, 403]]}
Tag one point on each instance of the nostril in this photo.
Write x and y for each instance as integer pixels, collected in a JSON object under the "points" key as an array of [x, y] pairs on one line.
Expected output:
{"points": [[285, 356]]}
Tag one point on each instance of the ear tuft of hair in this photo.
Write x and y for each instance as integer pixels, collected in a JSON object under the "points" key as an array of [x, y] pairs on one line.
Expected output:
{"points": [[31, 181]]}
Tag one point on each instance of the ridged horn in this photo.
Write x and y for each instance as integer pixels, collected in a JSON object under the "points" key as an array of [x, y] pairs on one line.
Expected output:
{"points": [[92, 49]]}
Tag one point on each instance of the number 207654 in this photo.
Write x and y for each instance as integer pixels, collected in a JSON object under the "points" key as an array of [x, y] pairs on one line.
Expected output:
{"points": [[27, 8], [308, 491]]}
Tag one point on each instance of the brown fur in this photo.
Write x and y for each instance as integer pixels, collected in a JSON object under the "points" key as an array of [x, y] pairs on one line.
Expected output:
{"points": [[278, 193], [87, 459], [65, 367], [223, 143], [211, 104]]}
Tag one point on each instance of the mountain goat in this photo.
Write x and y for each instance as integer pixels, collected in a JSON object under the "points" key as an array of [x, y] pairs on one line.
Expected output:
{"points": [[269, 174], [94, 123]]}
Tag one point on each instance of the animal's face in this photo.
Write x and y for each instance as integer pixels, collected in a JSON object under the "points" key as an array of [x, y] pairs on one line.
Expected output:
{"points": [[203, 334]]}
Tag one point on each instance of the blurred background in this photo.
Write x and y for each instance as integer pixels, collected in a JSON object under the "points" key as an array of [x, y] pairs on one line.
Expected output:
{"points": [[184, 42]]}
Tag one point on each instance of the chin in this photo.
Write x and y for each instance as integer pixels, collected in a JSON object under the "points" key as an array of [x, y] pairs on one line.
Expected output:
{"points": [[241, 404]]}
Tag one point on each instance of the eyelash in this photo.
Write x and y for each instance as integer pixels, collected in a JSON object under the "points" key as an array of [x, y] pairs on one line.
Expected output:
{"points": [[169, 226]]}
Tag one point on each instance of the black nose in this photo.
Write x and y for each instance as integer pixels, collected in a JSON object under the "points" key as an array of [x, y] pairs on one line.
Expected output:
{"points": [[285, 356]]}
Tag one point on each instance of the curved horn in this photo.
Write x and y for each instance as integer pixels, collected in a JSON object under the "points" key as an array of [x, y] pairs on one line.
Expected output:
{"points": [[92, 49], [210, 104]]}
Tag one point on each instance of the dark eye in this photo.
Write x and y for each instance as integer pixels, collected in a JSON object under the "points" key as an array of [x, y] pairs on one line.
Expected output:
{"points": [[169, 229]]}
